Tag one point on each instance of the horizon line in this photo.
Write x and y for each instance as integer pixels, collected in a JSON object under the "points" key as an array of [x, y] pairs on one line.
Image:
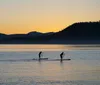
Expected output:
{"points": [[52, 31]]}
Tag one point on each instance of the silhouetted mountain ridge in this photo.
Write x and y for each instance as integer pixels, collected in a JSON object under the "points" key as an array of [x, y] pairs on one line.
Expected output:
{"points": [[34, 33], [82, 32]]}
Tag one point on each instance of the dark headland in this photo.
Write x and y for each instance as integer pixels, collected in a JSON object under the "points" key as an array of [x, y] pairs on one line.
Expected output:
{"points": [[77, 33]]}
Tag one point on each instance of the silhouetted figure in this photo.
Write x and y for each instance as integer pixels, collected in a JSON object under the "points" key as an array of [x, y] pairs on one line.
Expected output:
{"points": [[61, 56], [40, 54]]}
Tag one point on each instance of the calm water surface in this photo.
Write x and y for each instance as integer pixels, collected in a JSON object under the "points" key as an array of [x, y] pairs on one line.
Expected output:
{"points": [[83, 69]]}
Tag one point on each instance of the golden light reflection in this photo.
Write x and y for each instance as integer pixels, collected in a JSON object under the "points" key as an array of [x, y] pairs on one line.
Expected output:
{"points": [[52, 70]]}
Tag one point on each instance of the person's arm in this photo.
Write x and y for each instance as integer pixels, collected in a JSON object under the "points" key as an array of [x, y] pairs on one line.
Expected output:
{"points": [[41, 53], [63, 54]]}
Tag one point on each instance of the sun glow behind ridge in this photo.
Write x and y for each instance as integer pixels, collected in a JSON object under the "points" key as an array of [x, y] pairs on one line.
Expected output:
{"points": [[23, 16]]}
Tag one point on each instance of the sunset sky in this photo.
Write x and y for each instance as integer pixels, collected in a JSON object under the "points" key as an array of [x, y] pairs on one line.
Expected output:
{"points": [[23, 16]]}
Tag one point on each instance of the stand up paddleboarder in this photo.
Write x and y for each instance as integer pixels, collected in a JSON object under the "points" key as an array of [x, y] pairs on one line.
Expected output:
{"points": [[40, 54], [61, 56]]}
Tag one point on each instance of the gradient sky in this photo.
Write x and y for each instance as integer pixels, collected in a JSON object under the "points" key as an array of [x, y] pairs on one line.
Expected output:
{"points": [[23, 16]]}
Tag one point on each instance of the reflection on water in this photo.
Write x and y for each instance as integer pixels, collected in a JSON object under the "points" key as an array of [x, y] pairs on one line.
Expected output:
{"points": [[50, 73], [47, 47], [83, 69]]}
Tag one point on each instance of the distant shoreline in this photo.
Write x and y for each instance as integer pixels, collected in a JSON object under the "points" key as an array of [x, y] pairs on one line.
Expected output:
{"points": [[59, 43], [77, 33]]}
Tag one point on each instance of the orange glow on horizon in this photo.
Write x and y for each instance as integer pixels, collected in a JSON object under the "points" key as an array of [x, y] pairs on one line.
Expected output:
{"points": [[23, 16]]}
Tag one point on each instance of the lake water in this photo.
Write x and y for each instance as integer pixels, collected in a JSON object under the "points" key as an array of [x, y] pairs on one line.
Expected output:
{"points": [[18, 68]]}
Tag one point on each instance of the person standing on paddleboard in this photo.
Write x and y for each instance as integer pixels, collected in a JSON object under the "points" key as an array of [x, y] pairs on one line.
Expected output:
{"points": [[61, 56], [40, 54]]}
